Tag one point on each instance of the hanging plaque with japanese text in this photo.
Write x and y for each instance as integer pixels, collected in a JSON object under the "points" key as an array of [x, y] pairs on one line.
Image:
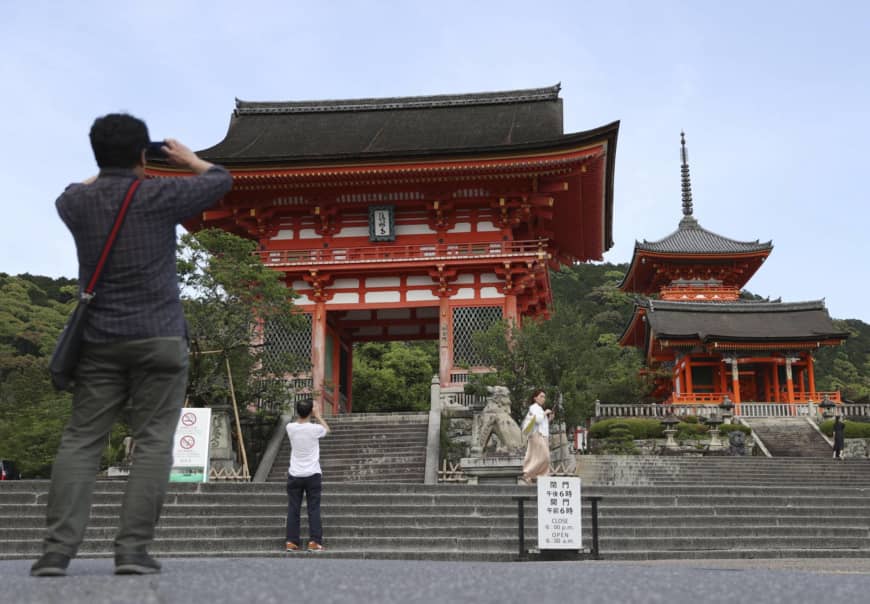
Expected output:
{"points": [[559, 513], [382, 223]]}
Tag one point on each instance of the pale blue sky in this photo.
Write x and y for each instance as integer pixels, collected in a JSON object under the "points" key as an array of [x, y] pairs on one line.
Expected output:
{"points": [[773, 96]]}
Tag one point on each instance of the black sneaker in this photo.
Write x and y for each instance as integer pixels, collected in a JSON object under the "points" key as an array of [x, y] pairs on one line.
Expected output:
{"points": [[51, 564], [136, 564]]}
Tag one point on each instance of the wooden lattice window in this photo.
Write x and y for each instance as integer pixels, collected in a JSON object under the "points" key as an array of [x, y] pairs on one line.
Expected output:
{"points": [[468, 321]]}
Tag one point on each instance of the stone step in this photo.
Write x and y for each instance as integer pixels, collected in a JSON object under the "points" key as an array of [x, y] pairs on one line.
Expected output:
{"points": [[368, 447], [770, 500], [110, 491], [612, 546]]}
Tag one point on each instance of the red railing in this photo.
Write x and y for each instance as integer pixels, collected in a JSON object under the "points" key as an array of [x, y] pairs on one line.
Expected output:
{"points": [[714, 398], [405, 253]]}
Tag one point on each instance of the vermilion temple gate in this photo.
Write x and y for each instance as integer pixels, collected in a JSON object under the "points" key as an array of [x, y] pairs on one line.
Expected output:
{"points": [[413, 218]]}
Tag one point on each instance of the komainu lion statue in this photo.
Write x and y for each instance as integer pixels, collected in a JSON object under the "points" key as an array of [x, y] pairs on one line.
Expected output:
{"points": [[495, 419]]}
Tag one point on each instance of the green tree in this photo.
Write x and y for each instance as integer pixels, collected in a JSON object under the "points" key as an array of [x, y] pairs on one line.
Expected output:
{"points": [[228, 296], [573, 354], [32, 414], [393, 376]]}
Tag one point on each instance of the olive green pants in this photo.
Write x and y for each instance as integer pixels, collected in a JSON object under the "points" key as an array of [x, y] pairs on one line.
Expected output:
{"points": [[151, 375]]}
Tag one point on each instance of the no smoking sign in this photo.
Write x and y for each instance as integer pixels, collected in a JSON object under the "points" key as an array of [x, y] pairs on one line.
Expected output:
{"points": [[188, 419]]}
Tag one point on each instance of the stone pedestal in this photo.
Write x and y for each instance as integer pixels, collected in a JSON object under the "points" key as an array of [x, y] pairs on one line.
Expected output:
{"points": [[715, 443], [670, 442], [221, 456], [118, 471], [492, 470]]}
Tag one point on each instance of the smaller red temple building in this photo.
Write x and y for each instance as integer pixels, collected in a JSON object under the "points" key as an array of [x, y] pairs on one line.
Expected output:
{"points": [[702, 341]]}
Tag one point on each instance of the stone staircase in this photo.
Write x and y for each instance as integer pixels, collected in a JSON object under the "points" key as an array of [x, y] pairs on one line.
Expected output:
{"points": [[767, 515], [789, 437], [366, 447], [716, 472]]}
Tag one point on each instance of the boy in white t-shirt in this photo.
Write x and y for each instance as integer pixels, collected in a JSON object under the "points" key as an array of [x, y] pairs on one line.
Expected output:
{"points": [[304, 475]]}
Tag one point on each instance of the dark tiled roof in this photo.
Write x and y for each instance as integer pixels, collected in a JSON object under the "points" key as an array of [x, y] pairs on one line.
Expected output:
{"points": [[408, 102], [741, 320], [692, 238], [370, 128]]}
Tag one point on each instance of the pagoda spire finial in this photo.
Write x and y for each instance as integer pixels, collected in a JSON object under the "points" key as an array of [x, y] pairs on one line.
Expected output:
{"points": [[688, 219]]}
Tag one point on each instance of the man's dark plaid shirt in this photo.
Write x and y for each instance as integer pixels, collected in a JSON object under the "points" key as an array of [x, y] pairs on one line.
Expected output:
{"points": [[137, 294]]}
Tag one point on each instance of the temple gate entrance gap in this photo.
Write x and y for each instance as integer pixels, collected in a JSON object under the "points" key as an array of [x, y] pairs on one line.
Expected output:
{"points": [[412, 218]]}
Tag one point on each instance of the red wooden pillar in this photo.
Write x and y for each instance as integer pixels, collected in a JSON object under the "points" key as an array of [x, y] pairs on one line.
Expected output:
{"points": [[811, 370], [789, 383], [445, 341], [735, 384], [687, 368], [318, 352], [511, 314]]}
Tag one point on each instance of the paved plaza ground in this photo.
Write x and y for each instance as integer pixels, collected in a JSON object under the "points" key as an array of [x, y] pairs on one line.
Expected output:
{"points": [[303, 578]]}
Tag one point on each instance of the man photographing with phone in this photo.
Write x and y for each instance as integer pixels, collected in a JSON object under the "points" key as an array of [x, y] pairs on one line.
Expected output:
{"points": [[135, 338]]}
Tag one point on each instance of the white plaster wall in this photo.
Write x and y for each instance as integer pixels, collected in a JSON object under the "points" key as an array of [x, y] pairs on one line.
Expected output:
{"points": [[353, 232], [417, 295], [383, 282], [284, 234], [344, 298], [345, 284], [489, 278], [490, 292], [420, 280], [486, 227], [383, 297], [412, 229], [464, 293], [308, 234]]}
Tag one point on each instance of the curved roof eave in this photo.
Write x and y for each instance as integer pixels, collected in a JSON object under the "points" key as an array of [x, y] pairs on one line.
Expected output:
{"points": [[607, 133]]}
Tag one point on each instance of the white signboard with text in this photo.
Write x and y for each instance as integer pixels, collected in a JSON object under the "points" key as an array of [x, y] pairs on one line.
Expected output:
{"points": [[190, 446], [559, 513]]}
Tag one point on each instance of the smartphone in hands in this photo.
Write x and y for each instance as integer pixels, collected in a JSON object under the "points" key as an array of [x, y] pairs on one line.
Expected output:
{"points": [[154, 150]]}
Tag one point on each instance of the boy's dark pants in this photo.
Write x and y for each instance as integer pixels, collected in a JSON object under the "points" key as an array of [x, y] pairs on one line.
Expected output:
{"points": [[312, 487]]}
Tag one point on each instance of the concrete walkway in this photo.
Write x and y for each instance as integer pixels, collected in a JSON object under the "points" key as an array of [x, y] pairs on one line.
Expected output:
{"points": [[304, 578]]}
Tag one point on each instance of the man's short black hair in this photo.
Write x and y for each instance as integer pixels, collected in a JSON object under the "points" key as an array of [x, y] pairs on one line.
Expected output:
{"points": [[118, 140], [304, 407]]}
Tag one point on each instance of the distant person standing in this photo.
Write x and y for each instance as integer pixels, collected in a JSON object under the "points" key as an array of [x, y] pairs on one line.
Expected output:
{"points": [[839, 437], [537, 425], [305, 476], [135, 339]]}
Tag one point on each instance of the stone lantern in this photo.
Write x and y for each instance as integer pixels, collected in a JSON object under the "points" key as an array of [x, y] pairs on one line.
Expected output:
{"points": [[727, 408], [670, 422], [827, 407], [714, 421]]}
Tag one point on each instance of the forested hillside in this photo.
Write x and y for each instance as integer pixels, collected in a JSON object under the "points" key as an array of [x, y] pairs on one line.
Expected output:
{"points": [[575, 352]]}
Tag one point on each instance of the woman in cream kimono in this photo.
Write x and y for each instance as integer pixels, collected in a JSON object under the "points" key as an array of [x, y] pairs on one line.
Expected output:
{"points": [[536, 426]]}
